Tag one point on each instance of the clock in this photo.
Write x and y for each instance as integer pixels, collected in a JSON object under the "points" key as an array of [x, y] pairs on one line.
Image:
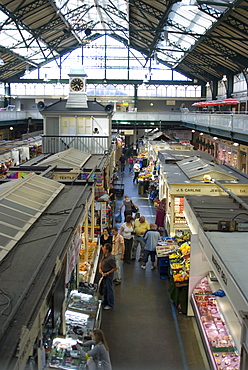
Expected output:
{"points": [[77, 84]]}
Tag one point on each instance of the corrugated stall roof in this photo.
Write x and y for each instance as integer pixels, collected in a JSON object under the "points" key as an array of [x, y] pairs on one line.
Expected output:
{"points": [[70, 158], [195, 168], [22, 202]]}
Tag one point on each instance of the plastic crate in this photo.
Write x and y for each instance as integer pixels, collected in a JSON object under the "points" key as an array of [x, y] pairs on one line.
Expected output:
{"points": [[164, 261]]}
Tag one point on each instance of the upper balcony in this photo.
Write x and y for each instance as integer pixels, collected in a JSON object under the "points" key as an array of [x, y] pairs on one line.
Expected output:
{"points": [[231, 126]]}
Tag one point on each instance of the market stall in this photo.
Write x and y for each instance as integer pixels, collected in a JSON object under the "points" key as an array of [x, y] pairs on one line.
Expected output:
{"points": [[218, 293], [173, 258], [185, 177]]}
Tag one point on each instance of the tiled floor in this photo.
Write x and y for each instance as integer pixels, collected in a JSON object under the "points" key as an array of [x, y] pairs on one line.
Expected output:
{"points": [[144, 331]]}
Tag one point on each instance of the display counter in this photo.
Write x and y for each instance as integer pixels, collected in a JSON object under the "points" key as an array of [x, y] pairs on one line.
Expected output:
{"points": [[63, 356], [87, 304], [224, 255], [219, 344]]}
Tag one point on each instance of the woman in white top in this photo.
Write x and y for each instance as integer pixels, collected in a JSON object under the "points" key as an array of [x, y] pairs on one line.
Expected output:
{"points": [[127, 232]]}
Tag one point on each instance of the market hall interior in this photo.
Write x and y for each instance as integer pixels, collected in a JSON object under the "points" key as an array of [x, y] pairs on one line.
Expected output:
{"points": [[145, 330]]}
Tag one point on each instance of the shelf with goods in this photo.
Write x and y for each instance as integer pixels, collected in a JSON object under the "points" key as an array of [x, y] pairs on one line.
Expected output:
{"points": [[173, 256], [219, 344], [64, 356], [164, 247], [82, 316], [176, 222], [88, 259]]}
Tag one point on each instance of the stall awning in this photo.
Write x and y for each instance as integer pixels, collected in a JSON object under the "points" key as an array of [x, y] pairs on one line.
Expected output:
{"points": [[211, 103]]}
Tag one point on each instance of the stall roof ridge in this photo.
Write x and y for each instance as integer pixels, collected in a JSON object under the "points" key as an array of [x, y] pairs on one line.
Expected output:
{"points": [[70, 158], [195, 168], [178, 155]]}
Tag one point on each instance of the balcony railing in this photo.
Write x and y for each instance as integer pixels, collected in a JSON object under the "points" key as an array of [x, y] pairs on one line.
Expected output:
{"points": [[88, 144], [237, 123]]}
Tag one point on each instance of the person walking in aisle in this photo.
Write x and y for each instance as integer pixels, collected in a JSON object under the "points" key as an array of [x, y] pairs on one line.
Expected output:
{"points": [[118, 253], [100, 351], [140, 227], [136, 169], [128, 206], [127, 232], [107, 267], [122, 161], [151, 241], [130, 161]]}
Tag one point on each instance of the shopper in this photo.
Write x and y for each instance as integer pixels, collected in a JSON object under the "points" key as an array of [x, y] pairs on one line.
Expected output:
{"points": [[122, 161], [128, 206], [111, 194], [100, 351], [160, 214], [105, 237], [130, 162], [151, 238], [136, 169], [140, 227], [118, 252], [107, 267], [127, 232]]}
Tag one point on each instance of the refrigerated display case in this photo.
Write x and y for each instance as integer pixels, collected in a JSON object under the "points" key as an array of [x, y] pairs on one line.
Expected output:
{"points": [[219, 344]]}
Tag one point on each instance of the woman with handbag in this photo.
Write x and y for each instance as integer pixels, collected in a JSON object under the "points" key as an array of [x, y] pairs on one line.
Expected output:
{"points": [[127, 232], [128, 204], [98, 356]]}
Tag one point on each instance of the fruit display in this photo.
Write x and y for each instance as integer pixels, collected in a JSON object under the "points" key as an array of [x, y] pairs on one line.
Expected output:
{"points": [[64, 357], [221, 343], [146, 173], [180, 263]]}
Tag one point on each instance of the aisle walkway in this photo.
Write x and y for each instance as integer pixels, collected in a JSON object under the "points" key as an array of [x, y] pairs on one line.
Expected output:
{"points": [[143, 330]]}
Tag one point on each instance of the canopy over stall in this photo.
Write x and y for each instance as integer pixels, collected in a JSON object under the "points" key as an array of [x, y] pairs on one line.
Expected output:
{"points": [[211, 103]]}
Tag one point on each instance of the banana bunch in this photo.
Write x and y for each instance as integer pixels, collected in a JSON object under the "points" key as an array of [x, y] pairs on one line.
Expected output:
{"points": [[177, 266]]}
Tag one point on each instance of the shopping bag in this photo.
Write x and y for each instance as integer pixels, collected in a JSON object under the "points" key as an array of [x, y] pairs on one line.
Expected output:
{"points": [[133, 208], [91, 365], [219, 293], [118, 218]]}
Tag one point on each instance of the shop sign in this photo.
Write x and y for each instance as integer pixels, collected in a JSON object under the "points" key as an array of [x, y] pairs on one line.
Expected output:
{"points": [[207, 189], [65, 175]]}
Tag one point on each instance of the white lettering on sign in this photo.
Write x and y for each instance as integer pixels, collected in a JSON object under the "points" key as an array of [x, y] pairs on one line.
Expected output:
{"points": [[193, 190], [219, 269]]}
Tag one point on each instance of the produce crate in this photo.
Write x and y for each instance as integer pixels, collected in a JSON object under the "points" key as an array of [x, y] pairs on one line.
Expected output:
{"points": [[164, 261]]}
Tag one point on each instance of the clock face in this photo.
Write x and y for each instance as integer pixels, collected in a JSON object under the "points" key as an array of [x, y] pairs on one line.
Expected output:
{"points": [[77, 84]]}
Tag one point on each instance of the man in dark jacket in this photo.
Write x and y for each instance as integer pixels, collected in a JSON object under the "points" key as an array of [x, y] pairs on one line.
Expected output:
{"points": [[107, 267]]}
